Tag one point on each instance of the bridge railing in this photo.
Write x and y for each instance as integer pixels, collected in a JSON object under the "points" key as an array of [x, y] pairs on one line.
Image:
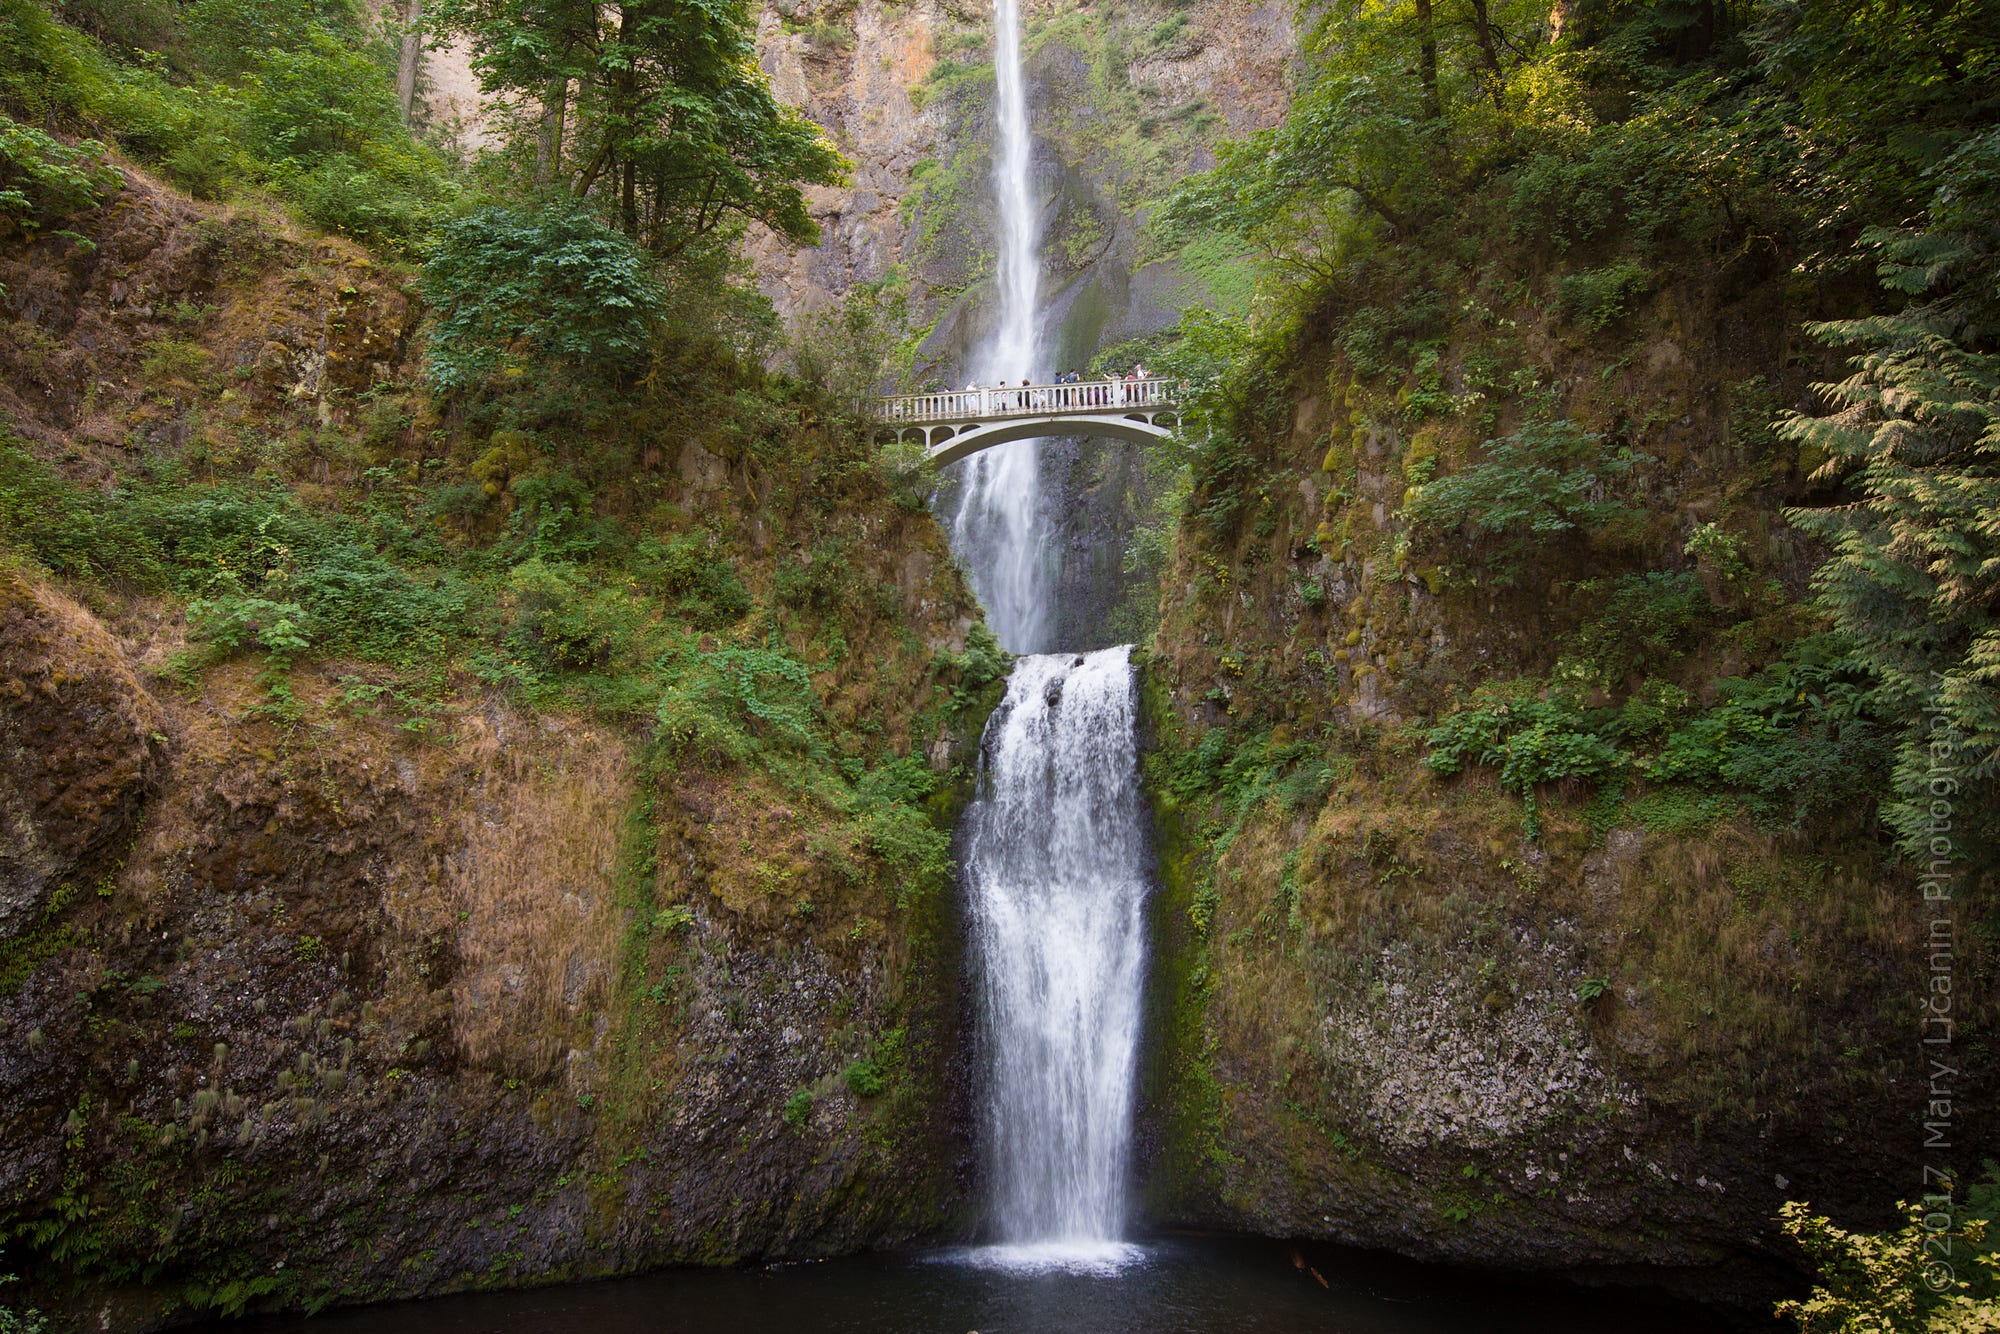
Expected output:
{"points": [[957, 405]]}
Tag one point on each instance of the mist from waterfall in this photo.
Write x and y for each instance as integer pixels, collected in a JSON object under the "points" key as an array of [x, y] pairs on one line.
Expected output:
{"points": [[999, 528]]}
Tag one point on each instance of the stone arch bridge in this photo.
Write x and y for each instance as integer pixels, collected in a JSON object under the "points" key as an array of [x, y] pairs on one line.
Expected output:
{"points": [[957, 423]]}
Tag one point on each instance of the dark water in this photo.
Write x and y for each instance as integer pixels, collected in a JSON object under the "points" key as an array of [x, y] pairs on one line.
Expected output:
{"points": [[1177, 1286]]}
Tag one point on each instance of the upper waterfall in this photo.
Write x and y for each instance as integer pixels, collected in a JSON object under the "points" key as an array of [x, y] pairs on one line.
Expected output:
{"points": [[999, 528]]}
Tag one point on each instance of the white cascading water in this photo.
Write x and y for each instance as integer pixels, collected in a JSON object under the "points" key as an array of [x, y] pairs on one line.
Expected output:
{"points": [[998, 526], [1056, 869], [1055, 859]]}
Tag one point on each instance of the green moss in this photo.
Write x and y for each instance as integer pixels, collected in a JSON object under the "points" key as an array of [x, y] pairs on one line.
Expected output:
{"points": [[1177, 1078]]}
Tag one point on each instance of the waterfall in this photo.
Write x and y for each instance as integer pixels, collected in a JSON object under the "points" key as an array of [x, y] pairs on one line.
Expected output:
{"points": [[1055, 855], [1056, 863], [999, 527]]}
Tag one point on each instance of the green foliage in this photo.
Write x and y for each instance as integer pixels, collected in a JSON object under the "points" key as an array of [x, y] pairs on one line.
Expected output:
{"points": [[78, 533], [322, 120], [229, 94], [1799, 738], [982, 663], [675, 131], [514, 287], [558, 624], [1546, 478], [20, 1321], [48, 73], [1532, 738], [1914, 579], [863, 1079], [702, 585], [265, 571], [1594, 299], [863, 345], [44, 182], [868, 1077], [1891, 1283], [798, 1109], [889, 812], [725, 704], [1643, 620]]}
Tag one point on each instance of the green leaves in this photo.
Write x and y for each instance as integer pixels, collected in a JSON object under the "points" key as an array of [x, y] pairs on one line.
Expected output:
{"points": [[675, 130], [1544, 479], [514, 286], [1914, 579], [1798, 739], [44, 181]]}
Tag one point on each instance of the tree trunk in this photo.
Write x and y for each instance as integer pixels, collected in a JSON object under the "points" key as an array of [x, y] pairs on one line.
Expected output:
{"points": [[548, 150], [1495, 80], [411, 61], [629, 205], [1427, 58]]}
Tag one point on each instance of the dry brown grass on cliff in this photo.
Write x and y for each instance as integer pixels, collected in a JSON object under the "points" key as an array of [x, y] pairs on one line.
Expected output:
{"points": [[533, 894]]}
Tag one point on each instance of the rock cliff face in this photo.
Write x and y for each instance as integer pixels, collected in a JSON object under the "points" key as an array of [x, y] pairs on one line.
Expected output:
{"points": [[1124, 99], [1393, 1016], [302, 1002]]}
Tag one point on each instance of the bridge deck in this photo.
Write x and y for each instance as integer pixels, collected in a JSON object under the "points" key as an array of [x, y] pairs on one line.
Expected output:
{"points": [[958, 406]]}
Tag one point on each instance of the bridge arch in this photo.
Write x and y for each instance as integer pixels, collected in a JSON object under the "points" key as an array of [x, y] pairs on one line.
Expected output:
{"points": [[951, 444]]}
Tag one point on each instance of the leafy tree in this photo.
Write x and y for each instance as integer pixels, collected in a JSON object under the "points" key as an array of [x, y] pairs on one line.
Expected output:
{"points": [[1914, 580], [551, 283], [655, 110], [1886, 1284]]}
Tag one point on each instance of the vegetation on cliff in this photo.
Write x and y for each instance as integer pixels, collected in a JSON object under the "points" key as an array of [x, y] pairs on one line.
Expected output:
{"points": [[1560, 626], [1595, 158], [469, 720]]}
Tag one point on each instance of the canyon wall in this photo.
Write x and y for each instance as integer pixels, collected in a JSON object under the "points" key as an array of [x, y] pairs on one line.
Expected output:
{"points": [[340, 980]]}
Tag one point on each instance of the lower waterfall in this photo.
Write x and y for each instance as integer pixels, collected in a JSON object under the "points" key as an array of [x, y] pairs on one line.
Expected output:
{"points": [[1055, 872]]}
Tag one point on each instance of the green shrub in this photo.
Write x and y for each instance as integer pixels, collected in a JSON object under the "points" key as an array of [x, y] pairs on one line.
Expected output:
{"points": [[22, 1321], [557, 625], [1597, 298], [44, 182], [1532, 737], [1645, 620], [47, 72], [1801, 737], [73, 531], [864, 1079], [722, 705], [1547, 478], [889, 814], [250, 558], [514, 287], [702, 586], [1892, 1283], [819, 583]]}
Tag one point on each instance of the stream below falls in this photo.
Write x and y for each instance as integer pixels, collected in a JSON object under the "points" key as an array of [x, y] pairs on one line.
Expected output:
{"points": [[1177, 1285]]}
